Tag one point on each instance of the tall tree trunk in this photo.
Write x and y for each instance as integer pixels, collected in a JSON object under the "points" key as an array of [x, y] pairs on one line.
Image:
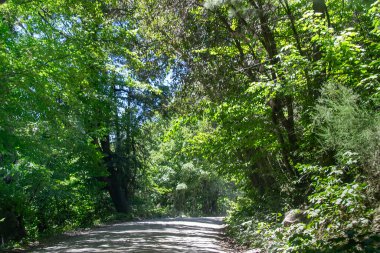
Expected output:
{"points": [[117, 184], [319, 6], [281, 102], [115, 181], [118, 193]]}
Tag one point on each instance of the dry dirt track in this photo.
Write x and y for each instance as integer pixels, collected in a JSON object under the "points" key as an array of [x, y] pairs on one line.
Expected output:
{"points": [[164, 235]]}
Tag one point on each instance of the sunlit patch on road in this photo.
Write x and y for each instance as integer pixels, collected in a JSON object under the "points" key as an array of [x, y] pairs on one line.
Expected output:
{"points": [[165, 235]]}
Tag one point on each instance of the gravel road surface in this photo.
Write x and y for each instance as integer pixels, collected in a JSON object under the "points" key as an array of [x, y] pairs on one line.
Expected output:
{"points": [[163, 235]]}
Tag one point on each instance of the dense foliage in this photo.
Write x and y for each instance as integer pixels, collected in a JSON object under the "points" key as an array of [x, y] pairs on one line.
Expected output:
{"points": [[182, 183], [261, 108], [287, 93], [72, 100]]}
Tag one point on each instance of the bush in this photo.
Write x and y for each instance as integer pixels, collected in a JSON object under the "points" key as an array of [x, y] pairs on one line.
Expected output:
{"points": [[338, 216], [36, 202], [343, 125]]}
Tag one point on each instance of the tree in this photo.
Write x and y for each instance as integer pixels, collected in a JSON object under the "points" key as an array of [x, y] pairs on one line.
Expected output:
{"points": [[256, 68], [60, 66]]}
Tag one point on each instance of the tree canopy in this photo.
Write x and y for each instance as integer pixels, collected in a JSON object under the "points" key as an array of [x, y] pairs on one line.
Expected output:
{"points": [[192, 107]]}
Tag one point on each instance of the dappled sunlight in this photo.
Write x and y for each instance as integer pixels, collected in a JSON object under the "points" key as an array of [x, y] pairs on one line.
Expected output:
{"points": [[165, 235]]}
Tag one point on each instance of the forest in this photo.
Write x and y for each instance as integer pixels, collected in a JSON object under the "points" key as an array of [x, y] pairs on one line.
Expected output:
{"points": [[266, 112]]}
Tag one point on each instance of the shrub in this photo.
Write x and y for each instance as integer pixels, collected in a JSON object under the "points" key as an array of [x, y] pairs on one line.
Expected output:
{"points": [[343, 125], [338, 216]]}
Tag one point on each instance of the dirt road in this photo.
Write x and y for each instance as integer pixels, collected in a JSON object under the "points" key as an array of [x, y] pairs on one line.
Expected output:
{"points": [[164, 235]]}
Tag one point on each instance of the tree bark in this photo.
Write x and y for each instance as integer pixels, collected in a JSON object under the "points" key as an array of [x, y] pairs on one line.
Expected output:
{"points": [[281, 102], [115, 183]]}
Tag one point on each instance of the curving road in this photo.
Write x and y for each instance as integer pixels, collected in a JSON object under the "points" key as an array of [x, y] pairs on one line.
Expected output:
{"points": [[164, 235]]}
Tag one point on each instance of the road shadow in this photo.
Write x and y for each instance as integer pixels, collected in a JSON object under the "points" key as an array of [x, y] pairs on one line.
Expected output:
{"points": [[164, 235]]}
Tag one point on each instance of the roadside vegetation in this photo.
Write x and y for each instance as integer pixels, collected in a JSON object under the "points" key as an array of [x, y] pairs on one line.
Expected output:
{"points": [[264, 111]]}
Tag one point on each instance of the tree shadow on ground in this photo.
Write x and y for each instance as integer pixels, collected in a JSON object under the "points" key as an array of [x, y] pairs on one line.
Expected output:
{"points": [[166, 235]]}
